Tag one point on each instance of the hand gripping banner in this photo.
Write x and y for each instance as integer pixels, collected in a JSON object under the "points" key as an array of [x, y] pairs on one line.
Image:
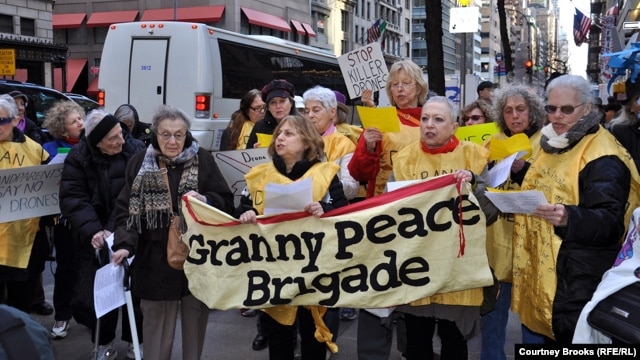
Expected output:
{"points": [[405, 245]]}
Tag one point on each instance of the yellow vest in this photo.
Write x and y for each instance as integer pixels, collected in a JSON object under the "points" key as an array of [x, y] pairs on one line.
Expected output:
{"points": [[336, 146], [243, 138], [412, 163], [16, 237], [350, 131], [391, 144], [500, 233], [556, 175]]}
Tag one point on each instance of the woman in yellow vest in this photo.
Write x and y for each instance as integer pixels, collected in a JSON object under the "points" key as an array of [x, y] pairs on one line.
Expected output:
{"points": [[252, 109], [562, 249], [518, 111], [439, 152], [297, 153]]}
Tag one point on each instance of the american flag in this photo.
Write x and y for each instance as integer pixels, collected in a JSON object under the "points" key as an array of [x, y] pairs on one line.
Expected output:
{"points": [[374, 32], [581, 26]]}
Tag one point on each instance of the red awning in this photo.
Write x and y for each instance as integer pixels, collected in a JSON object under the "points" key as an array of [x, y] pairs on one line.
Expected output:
{"points": [[74, 69], [68, 21], [298, 27], [266, 20], [93, 86], [98, 19], [205, 14], [309, 30]]}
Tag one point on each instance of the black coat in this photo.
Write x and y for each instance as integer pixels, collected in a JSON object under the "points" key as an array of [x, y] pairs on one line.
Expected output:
{"points": [[152, 277], [629, 136]]}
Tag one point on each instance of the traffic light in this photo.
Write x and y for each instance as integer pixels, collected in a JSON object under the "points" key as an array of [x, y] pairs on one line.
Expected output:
{"points": [[528, 65]]}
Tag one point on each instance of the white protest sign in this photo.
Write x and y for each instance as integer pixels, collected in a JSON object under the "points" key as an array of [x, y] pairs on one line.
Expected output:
{"points": [[29, 192], [364, 68], [235, 164], [464, 19]]}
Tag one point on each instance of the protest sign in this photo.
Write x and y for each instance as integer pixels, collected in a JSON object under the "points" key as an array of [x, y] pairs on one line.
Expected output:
{"points": [[29, 192], [235, 164], [364, 68], [405, 245], [477, 133]]}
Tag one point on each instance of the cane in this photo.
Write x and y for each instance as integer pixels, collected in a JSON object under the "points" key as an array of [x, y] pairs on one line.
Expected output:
{"points": [[97, 334], [129, 302]]}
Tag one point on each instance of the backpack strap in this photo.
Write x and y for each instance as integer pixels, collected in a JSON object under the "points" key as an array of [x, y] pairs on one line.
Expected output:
{"points": [[14, 337]]}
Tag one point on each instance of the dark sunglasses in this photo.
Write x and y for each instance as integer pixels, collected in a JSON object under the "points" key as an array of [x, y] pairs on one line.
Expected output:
{"points": [[567, 109], [472, 117], [5, 120]]}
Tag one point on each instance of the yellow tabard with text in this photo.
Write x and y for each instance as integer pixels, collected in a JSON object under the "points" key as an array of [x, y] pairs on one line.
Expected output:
{"points": [[391, 144], [336, 146], [244, 135]]}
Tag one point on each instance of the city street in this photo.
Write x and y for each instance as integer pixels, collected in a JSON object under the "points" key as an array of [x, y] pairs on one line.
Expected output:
{"points": [[229, 337]]}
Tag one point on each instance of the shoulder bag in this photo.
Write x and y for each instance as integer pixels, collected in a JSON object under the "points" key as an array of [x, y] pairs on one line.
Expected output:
{"points": [[177, 250]]}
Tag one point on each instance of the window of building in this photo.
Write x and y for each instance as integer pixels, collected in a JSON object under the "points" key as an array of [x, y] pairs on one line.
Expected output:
{"points": [[6, 24], [99, 34], [345, 46], [320, 24], [345, 20], [27, 27], [368, 10], [407, 26]]}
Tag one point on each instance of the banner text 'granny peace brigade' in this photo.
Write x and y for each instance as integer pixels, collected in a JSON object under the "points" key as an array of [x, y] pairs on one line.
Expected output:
{"points": [[402, 246]]}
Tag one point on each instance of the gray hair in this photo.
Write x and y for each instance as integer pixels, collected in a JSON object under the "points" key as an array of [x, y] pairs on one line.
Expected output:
{"points": [[322, 94], [8, 104], [93, 119], [169, 112], [581, 85], [453, 112], [537, 115], [124, 113]]}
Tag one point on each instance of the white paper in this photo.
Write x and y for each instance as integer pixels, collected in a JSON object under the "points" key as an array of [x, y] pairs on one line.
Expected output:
{"points": [[381, 312], [501, 171], [108, 289], [395, 185], [517, 202], [283, 198], [109, 240], [58, 159]]}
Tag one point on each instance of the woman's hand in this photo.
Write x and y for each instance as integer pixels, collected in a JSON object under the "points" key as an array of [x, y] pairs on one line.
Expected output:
{"points": [[556, 214], [248, 217], [97, 241], [372, 136], [367, 98], [517, 165], [314, 209], [119, 255], [464, 175], [196, 195]]}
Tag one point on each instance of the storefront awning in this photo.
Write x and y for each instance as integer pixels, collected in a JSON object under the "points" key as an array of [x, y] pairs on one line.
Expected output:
{"points": [[99, 19], [93, 86], [74, 69], [309, 30], [68, 21], [298, 27], [205, 14], [266, 20]]}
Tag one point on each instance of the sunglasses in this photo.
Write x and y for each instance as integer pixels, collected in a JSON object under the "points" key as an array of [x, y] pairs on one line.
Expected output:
{"points": [[472, 117], [5, 120], [567, 109]]}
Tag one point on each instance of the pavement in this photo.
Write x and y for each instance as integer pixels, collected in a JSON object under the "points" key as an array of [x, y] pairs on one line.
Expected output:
{"points": [[229, 337]]}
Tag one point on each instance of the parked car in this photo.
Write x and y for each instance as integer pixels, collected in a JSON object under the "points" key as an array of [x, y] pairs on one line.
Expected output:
{"points": [[41, 98], [87, 103]]}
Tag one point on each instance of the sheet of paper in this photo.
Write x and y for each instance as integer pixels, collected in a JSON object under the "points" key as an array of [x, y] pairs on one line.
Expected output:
{"points": [[279, 198], [501, 171], [499, 149], [381, 312], [395, 185], [264, 139], [108, 290], [109, 241], [516, 202], [58, 159], [384, 119]]}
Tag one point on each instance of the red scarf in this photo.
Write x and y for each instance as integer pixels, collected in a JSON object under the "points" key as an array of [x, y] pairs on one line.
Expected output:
{"points": [[71, 140], [448, 147], [410, 116]]}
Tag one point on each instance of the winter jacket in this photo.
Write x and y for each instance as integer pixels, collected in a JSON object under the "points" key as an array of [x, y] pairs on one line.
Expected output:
{"points": [[152, 277], [629, 136]]}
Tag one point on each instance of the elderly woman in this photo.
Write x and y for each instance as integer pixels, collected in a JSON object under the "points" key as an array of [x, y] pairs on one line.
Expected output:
{"points": [[92, 177], [477, 112], [21, 252], [64, 121], [278, 95], [251, 110], [439, 152], [562, 249], [297, 153], [144, 209], [128, 115], [519, 111]]}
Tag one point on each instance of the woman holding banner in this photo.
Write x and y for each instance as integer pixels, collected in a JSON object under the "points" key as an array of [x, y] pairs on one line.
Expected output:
{"points": [[297, 152], [519, 111], [439, 152]]}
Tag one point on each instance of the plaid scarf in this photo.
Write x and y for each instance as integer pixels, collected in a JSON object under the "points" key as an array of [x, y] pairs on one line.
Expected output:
{"points": [[150, 198]]}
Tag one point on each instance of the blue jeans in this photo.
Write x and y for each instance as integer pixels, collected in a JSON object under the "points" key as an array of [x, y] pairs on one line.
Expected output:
{"points": [[530, 337], [494, 326]]}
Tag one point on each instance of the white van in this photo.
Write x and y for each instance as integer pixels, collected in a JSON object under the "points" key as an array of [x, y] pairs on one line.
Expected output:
{"points": [[202, 70]]}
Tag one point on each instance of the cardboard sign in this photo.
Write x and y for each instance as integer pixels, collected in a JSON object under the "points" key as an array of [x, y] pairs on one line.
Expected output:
{"points": [[29, 192], [235, 164], [364, 68]]}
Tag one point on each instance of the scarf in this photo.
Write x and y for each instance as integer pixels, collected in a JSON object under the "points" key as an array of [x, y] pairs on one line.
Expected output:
{"points": [[71, 141], [448, 147], [553, 143], [22, 124], [150, 198]]}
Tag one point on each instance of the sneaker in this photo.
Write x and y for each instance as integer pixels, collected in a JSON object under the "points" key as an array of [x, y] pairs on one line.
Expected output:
{"points": [[248, 312], [107, 352], [131, 353], [348, 314], [59, 329]]}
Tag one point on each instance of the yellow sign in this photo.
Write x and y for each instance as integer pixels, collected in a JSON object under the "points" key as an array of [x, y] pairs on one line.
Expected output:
{"points": [[384, 119], [7, 62]]}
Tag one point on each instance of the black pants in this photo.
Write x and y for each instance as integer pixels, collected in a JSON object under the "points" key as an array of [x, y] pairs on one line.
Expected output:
{"points": [[281, 346], [420, 332], [65, 276]]}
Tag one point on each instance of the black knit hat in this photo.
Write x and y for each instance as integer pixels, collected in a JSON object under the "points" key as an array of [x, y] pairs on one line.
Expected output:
{"points": [[278, 88]]}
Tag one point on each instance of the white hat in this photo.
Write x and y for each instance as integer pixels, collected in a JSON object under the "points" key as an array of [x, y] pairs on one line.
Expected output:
{"points": [[299, 102]]}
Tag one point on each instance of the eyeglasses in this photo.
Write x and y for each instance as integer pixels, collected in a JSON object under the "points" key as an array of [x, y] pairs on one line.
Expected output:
{"points": [[472, 117], [167, 136], [5, 120], [402, 86], [258, 109], [566, 109]]}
